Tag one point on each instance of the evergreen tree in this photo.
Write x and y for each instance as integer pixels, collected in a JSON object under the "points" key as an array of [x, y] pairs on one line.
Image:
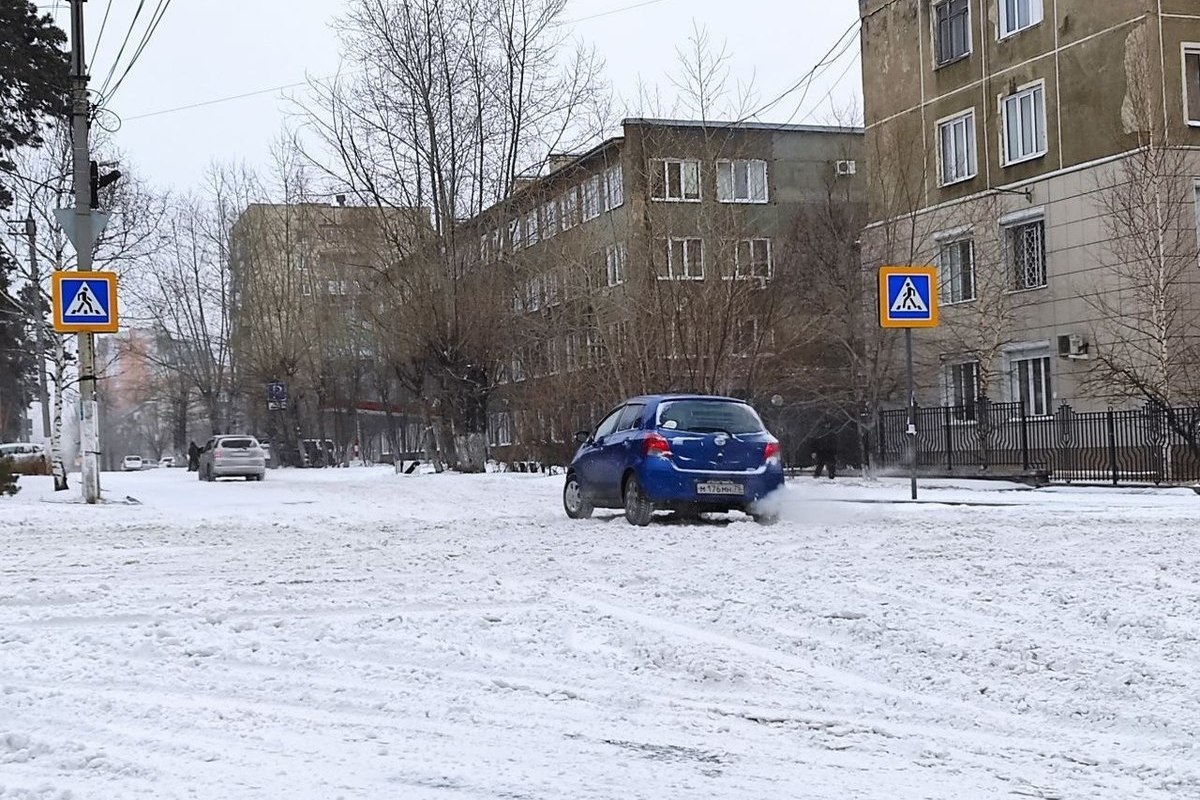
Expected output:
{"points": [[34, 78]]}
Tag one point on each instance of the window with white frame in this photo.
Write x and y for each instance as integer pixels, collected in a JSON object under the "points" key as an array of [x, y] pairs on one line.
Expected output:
{"points": [[591, 198], [1029, 372], [742, 181], [518, 303], [956, 263], [1196, 206], [531, 228], [514, 233], [576, 351], [683, 260], [675, 180], [500, 429], [1017, 15], [304, 274], [951, 30], [518, 369], [746, 336], [570, 208], [752, 259], [614, 188], [1191, 82], [484, 252], [962, 388], [956, 149], [1025, 124], [533, 294], [549, 219], [615, 256], [1025, 245], [553, 288]]}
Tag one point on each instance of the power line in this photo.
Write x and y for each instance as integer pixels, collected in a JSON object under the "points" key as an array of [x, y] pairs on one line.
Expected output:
{"points": [[610, 12], [103, 25], [161, 11], [216, 100], [124, 43], [817, 73]]}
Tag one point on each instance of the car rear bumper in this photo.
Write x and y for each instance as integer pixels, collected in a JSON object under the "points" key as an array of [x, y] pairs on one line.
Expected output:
{"points": [[664, 484], [250, 466]]}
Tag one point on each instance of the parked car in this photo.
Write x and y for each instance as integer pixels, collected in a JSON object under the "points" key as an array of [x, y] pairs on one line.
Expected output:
{"points": [[232, 457], [688, 453], [131, 463], [28, 458], [166, 462]]}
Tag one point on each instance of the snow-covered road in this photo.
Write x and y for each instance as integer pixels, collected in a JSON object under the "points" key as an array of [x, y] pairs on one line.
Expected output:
{"points": [[355, 634]]}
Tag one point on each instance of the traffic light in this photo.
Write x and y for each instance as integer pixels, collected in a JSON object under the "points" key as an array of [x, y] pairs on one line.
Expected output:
{"points": [[99, 181]]}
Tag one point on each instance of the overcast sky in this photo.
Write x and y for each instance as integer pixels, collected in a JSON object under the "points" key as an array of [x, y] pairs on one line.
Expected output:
{"points": [[209, 49]]}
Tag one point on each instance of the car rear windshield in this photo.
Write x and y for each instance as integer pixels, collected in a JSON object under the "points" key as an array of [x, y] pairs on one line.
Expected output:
{"points": [[708, 416], [234, 444]]}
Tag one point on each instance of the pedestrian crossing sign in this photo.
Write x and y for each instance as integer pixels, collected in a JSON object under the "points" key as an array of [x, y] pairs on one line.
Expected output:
{"points": [[908, 297], [85, 302]]}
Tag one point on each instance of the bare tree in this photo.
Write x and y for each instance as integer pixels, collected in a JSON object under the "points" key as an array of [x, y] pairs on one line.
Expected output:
{"points": [[451, 100]]}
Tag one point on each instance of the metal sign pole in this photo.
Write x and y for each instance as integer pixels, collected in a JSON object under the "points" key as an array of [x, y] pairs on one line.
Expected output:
{"points": [[912, 416]]}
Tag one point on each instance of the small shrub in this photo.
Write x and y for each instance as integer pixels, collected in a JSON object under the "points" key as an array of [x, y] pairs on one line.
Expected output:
{"points": [[8, 477]]}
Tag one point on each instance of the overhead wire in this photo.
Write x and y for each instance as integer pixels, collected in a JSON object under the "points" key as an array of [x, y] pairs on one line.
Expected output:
{"points": [[124, 43], [155, 19], [103, 26], [610, 12], [829, 64]]}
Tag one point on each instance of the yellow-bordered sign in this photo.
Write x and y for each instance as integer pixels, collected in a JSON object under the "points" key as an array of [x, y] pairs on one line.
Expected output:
{"points": [[85, 302], [908, 297]]}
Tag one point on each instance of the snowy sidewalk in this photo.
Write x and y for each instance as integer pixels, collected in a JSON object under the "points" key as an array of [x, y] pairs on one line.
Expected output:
{"points": [[357, 634]]}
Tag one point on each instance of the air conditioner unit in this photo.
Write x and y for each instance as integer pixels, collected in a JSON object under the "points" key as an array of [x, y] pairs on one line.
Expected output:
{"points": [[847, 168], [1072, 346]]}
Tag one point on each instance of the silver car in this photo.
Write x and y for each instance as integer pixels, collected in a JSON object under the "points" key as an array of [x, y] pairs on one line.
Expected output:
{"points": [[232, 457]]}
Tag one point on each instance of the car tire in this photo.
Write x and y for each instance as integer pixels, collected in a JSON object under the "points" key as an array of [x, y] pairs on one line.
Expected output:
{"points": [[638, 510], [573, 502], [765, 519]]}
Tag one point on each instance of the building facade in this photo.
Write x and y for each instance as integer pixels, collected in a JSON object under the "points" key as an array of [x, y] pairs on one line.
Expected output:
{"points": [[661, 260], [1043, 154]]}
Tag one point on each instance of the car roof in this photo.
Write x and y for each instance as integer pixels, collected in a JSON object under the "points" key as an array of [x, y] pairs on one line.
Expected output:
{"points": [[650, 399]]}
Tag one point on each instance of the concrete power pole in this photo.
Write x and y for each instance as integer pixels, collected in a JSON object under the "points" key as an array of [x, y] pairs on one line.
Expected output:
{"points": [[89, 432], [39, 318]]}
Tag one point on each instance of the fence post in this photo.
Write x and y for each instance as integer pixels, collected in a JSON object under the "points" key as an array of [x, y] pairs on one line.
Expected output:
{"points": [[949, 439], [1112, 446], [1025, 465]]}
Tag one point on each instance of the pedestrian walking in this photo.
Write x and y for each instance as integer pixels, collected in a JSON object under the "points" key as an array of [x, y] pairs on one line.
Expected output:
{"points": [[193, 457], [824, 453]]}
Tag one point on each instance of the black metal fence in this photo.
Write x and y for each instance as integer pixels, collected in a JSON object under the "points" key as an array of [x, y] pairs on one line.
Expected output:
{"points": [[1152, 444]]}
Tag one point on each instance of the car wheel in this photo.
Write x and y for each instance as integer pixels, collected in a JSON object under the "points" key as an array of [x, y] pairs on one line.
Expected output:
{"points": [[765, 519], [638, 509], [573, 502]]}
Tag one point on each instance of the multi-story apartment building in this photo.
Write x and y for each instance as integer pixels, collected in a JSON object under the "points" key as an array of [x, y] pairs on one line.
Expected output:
{"points": [[1042, 154], [660, 260], [303, 314]]}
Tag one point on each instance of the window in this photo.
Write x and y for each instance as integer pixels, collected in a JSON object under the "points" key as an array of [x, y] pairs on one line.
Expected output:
{"points": [[1025, 125], [631, 417], [675, 180], [614, 188], [957, 267], [484, 252], [549, 219], [709, 416], [753, 259], [952, 31], [742, 181], [684, 260], [956, 149], [1031, 384], [1026, 245], [1196, 189], [1017, 15], [607, 425], [570, 208], [552, 285], [533, 290], [615, 258], [1191, 82], [745, 336], [591, 198], [514, 233], [305, 275], [499, 429], [574, 351], [962, 389], [518, 369], [531, 228]]}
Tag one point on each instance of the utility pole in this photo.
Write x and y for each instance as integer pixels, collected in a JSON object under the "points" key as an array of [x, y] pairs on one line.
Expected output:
{"points": [[39, 321], [89, 433]]}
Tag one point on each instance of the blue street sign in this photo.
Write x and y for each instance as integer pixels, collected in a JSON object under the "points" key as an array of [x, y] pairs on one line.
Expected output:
{"points": [[85, 302], [277, 396], [908, 297]]}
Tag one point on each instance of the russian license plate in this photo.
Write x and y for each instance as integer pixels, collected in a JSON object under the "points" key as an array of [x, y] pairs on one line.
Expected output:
{"points": [[720, 487]]}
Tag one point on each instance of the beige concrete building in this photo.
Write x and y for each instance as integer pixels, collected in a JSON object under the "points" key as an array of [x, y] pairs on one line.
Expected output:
{"points": [[1030, 148]]}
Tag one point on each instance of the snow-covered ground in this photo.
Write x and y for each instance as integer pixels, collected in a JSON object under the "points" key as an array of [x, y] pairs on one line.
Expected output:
{"points": [[357, 634]]}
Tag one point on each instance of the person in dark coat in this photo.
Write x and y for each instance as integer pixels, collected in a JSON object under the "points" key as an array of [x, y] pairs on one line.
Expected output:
{"points": [[824, 452], [193, 458]]}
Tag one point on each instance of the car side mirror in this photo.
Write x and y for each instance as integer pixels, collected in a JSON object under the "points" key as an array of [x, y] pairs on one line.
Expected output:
{"points": [[583, 437]]}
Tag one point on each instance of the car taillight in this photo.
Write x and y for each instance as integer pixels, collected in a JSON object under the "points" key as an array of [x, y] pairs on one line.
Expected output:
{"points": [[219, 453], [657, 446], [771, 453]]}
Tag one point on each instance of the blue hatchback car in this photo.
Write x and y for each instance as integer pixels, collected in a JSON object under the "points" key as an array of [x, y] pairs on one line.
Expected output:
{"points": [[688, 453]]}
